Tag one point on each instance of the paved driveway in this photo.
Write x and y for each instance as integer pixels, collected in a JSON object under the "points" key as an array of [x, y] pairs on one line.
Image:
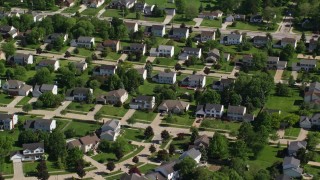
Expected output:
{"points": [[18, 171], [198, 21], [168, 19], [278, 76], [15, 101]]}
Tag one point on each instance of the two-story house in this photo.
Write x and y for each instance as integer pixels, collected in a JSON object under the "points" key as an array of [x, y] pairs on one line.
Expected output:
{"points": [[174, 106], [40, 89], [93, 3], [312, 45], [247, 60], [210, 110], [83, 41], [158, 30], [223, 83], [143, 73], [291, 167], [78, 94], [307, 122], [110, 130], [194, 80], [193, 154], [8, 31], [55, 64], [179, 33], [215, 55], [187, 52], [164, 171], [120, 4], [53, 37], [165, 78], [104, 70], [136, 47], [162, 51], [260, 40], [113, 97], [21, 59], [294, 147], [81, 66], [143, 102], [304, 65], [16, 88], [285, 41], [131, 26], [275, 63], [236, 112], [8, 121], [207, 36], [30, 152], [256, 18], [200, 141], [312, 94], [114, 45], [47, 125], [86, 143], [231, 39]]}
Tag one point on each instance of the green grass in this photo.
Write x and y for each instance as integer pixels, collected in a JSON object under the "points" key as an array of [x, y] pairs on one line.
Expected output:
{"points": [[147, 88], [105, 157], [218, 124], [185, 120], [292, 132], [24, 101], [212, 23], [285, 104], [250, 26], [30, 167], [84, 52], [147, 168], [82, 128], [7, 167], [134, 153], [76, 106], [118, 13], [144, 115], [92, 11], [113, 56], [110, 110], [315, 171], [72, 9], [155, 19], [181, 144], [5, 99], [134, 134], [286, 74], [179, 19]]}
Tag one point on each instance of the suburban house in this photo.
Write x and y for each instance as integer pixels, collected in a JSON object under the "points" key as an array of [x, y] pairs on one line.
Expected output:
{"points": [[78, 94], [286, 41], [188, 51], [231, 39], [113, 97], [307, 122], [143, 102], [230, 18], [40, 89], [7, 121], [235, 17], [83, 41], [81, 66], [162, 51], [210, 110], [30, 152], [174, 106], [8, 31], [158, 30], [260, 40], [133, 176], [21, 59], [236, 112], [120, 4], [47, 125], [223, 83], [291, 167], [86, 143], [207, 35], [53, 37], [93, 3], [69, 3], [312, 95], [215, 55], [143, 73], [165, 78], [49, 63], [104, 70], [194, 80], [16, 88], [131, 26], [211, 15], [256, 19], [247, 60], [136, 48], [193, 154], [304, 65], [294, 146], [110, 130], [312, 44], [275, 63], [114, 45], [179, 33], [164, 171], [200, 141]]}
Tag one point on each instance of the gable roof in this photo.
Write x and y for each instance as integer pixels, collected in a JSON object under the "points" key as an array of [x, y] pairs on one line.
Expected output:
{"points": [[308, 61], [291, 161], [204, 139], [288, 40], [133, 176], [236, 109], [113, 124], [167, 74], [158, 27], [30, 124], [144, 98], [33, 146], [85, 38], [296, 145], [166, 168], [192, 153], [117, 93], [15, 83], [86, 140], [4, 116], [170, 104]]}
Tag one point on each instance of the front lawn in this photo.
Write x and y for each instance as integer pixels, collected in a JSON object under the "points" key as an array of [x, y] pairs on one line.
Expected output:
{"points": [[134, 134], [72, 9], [5, 99], [147, 88], [109, 110], [292, 132], [92, 11], [219, 124], [82, 107], [184, 120], [251, 26], [147, 168], [82, 128], [84, 52], [24, 101], [29, 168], [104, 157], [6, 167], [179, 19], [212, 23], [113, 56], [314, 170], [144, 115], [155, 19], [181, 144]]}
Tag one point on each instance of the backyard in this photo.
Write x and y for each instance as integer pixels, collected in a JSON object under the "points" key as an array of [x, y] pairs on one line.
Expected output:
{"points": [[184, 120]]}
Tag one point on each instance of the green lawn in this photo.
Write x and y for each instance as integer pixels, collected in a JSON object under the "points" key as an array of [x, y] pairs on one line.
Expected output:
{"points": [[110, 110], [5, 99], [155, 19], [118, 13], [250, 26], [92, 11], [286, 74], [285, 104], [105, 157], [292, 132], [147, 168], [84, 52], [144, 115], [226, 66], [134, 134], [178, 19], [181, 144], [113, 56], [30, 167], [147, 88], [72, 9], [218, 124], [185, 120], [24, 101], [315, 171], [82, 107], [212, 23], [7, 167], [82, 128]]}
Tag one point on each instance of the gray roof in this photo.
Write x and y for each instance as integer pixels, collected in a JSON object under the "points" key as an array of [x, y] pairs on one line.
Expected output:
{"points": [[191, 49], [306, 61], [5, 28], [283, 177], [166, 74], [117, 93], [234, 36], [273, 58], [170, 104], [196, 77], [288, 40], [33, 146], [260, 38], [47, 62], [85, 38], [112, 123], [180, 30], [296, 145], [137, 45], [155, 176], [30, 124], [158, 27], [141, 70], [5, 116], [236, 109], [166, 168], [314, 86], [192, 153], [22, 56], [81, 90], [165, 47], [47, 87], [144, 98], [291, 161], [107, 67], [15, 82], [217, 107], [204, 139], [133, 176]]}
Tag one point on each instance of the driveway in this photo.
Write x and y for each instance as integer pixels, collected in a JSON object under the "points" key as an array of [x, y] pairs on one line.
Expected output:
{"points": [[278, 76], [82, 8], [97, 107], [294, 74], [167, 19], [15, 101], [198, 21], [151, 59], [18, 171]]}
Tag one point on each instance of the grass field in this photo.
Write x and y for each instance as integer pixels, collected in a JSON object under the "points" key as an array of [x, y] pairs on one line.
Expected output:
{"points": [[315, 171], [113, 56], [72, 9], [84, 52], [104, 157], [212, 23], [76, 106], [181, 144], [147, 168], [185, 120], [218, 124], [147, 88], [144, 115], [82, 128], [5, 99], [165, 61], [30, 167], [250, 26], [110, 110], [92, 11], [7, 167], [292, 132], [134, 134], [178, 19]]}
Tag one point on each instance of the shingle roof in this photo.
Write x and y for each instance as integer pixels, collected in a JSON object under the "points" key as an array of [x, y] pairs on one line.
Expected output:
{"points": [[85, 38], [144, 98], [166, 74], [30, 124], [165, 47], [166, 168], [47, 62], [170, 104], [15, 82], [158, 27], [291, 161], [273, 58], [133, 176], [5, 116], [117, 93], [33, 146], [191, 49], [296, 145], [192, 153], [89, 140], [112, 123], [236, 109], [307, 61], [47, 87], [217, 107]]}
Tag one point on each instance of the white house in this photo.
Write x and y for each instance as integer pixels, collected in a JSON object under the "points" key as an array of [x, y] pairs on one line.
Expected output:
{"points": [[162, 51], [16, 88], [83, 41], [30, 152], [207, 35], [164, 171], [286, 41], [193, 154], [165, 78], [8, 121], [21, 59], [158, 30], [55, 64], [105, 70], [47, 125], [81, 66], [188, 51], [143, 73], [312, 95], [236, 112], [304, 65], [120, 4], [78, 94], [231, 39], [8, 31], [194, 80], [40, 89], [178, 33], [110, 130], [143, 102], [93, 3], [53, 37], [211, 15], [210, 110]]}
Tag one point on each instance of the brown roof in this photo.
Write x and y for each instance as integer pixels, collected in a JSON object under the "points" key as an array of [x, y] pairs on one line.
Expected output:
{"points": [[117, 93], [89, 140], [110, 42]]}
